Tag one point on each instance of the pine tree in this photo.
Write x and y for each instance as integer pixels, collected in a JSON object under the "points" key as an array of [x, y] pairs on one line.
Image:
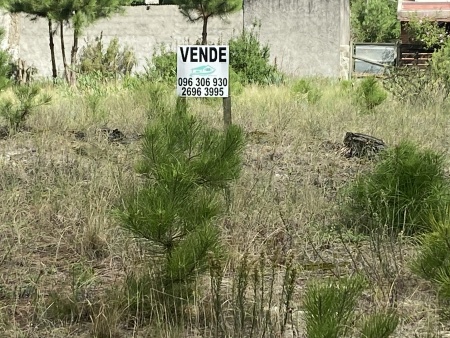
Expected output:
{"points": [[80, 13], [196, 10], [186, 166], [37, 9]]}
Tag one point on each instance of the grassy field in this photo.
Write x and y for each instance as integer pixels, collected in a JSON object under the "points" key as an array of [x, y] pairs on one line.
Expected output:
{"points": [[64, 258]]}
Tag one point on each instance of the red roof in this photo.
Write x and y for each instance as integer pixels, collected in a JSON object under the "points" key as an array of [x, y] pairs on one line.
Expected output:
{"points": [[439, 11]]}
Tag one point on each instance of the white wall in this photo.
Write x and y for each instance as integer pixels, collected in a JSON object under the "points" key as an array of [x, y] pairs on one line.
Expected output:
{"points": [[305, 36]]}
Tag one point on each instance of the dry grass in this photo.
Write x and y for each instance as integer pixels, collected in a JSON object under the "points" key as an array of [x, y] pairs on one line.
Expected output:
{"points": [[60, 244]]}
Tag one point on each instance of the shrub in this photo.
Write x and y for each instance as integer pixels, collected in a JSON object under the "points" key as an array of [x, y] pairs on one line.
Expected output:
{"points": [[414, 85], [236, 86], [305, 89], [6, 68], [407, 185], [110, 62], [330, 307], [440, 65], [379, 325], [369, 93], [163, 66], [27, 99], [185, 166], [250, 60], [433, 260]]}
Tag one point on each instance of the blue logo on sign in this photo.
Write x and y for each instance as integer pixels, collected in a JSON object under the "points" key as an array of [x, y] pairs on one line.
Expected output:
{"points": [[202, 71]]}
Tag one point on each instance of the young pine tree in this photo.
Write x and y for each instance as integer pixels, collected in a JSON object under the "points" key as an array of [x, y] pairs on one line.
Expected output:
{"points": [[186, 166]]}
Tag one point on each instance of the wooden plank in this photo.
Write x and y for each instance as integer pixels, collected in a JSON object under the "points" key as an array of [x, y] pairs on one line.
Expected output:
{"points": [[414, 59], [418, 54]]}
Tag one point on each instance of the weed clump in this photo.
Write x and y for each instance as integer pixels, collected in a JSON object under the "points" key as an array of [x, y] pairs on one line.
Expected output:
{"points": [[406, 187]]}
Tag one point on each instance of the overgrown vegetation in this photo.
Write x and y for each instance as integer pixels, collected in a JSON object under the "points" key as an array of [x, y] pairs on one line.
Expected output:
{"points": [[330, 311], [246, 259], [266, 229]]}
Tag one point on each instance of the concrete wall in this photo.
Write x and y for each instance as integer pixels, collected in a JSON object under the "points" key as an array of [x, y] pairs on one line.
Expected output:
{"points": [[307, 37]]}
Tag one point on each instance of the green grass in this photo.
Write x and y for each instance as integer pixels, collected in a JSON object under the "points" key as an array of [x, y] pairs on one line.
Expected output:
{"points": [[58, 192]]}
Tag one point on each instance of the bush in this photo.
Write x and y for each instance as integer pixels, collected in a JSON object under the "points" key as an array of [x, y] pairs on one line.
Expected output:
{"points": [[440, 65], [110, 62], [379, 325], [163, 66], [185, 166], [250, 60], [369, 93], [305, 89], [406, 187], [433, 260], [330, 309], [27, 99], [236, 86], [6, 65], [414, 85]]}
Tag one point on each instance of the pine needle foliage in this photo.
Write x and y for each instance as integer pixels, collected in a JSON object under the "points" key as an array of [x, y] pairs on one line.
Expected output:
{"points": [[186, 165], [433, 260], [330, 307], [407, 186], [380, 325]]}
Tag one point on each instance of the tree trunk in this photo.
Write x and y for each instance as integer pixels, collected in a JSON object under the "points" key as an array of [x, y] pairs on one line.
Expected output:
{"points": [[73, 58], [63, 52], [205, 31], [52, 49], [362, 145]]}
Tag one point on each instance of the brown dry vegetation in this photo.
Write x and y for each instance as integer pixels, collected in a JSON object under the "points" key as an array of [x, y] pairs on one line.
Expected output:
{"points": [[62, 251]]}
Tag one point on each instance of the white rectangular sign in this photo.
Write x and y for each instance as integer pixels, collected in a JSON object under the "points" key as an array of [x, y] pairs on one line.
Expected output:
{"points": [[202, 71]]}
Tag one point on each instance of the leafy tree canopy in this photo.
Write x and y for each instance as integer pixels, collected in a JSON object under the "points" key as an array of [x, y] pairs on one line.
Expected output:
{"points": [[374, 20]]}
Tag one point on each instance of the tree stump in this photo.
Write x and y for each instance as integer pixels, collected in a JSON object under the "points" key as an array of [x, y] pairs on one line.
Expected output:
{"points": [[362, 145]]}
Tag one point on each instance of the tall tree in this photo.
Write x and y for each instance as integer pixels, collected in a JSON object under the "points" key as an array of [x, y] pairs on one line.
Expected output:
{"points": [[37, 9], [196, 10], [78, 13]]}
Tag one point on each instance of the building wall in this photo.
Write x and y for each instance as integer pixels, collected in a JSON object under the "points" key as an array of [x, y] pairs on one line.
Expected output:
{"points": [[306, 37]]}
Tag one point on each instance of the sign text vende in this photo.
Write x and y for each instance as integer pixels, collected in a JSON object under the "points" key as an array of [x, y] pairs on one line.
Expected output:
{"points": [[202, 71]]}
